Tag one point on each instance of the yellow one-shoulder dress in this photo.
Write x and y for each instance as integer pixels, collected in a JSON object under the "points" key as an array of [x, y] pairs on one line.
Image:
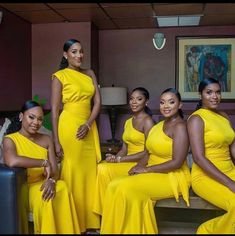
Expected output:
{"points": [[79, 164], [135, 141], [129, 200], [56, 216], [218, 135]]}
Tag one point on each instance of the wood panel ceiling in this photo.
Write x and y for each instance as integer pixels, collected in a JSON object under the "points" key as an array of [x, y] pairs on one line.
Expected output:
{"points": [[121, 15]]}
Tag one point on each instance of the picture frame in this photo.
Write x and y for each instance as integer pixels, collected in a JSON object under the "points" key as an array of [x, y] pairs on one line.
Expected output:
{"points": [[198, 58]]}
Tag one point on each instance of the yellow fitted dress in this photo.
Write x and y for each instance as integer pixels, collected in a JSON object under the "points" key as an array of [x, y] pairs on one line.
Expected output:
{"points": [[79, 164], [218, 135], [135, 141], [57, 216], [129, 200]]}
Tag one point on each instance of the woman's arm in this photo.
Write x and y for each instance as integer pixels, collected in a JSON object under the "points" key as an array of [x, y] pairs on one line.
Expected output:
{"points": [[49, 185], [56, 97], [196, 137], [52, 158], [12, 159]]}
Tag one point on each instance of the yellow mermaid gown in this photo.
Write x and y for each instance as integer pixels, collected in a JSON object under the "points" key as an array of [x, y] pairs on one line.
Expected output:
{"points": [[218, 135], [79, 165], [57, 216], [129, 200], [135, 141]]}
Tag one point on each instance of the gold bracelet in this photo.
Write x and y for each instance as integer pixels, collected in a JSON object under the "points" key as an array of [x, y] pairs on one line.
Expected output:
{"points": [[88, 126], [118, 158], [52, 180], [45, 163]]}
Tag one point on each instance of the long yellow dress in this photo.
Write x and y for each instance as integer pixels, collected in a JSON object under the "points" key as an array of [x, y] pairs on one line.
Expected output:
{"points": [[79, 165], [135, 141], [128, 205], [57, 216], [218, 135]]}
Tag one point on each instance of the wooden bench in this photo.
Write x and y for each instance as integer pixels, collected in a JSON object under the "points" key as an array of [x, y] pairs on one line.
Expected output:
{"points": [[195, 201], [177, 218]]}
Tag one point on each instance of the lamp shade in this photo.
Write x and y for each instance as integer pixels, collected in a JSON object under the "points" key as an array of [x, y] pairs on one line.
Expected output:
{"points": [[113, 95]]}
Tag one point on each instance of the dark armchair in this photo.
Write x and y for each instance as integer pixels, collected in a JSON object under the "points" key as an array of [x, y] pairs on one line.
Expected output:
{"points": [[14, 206]]}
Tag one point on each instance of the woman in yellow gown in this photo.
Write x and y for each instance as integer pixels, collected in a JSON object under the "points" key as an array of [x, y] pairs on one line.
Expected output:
{"points": [[136, 130], [50, 201], [75, 132], [212, 140], [129, 200]]}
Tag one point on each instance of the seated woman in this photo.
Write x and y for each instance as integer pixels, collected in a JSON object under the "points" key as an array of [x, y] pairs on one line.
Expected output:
{"points": [[128, 203], [136, 130], [49, 200], [212, 141]]}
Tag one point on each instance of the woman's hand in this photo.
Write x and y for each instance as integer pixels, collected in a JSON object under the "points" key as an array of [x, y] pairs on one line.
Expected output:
{"points": [[137, 169], [110, 157], [59, 151], [48, 188], [82, 131], [47, 169]]}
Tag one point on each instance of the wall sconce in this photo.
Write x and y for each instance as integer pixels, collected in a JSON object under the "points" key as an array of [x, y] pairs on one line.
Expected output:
{"points": [[0, 17], [159, 40], [112, 97]]}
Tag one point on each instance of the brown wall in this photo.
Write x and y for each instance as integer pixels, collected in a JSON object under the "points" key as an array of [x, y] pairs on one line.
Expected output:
{"points": [[128, 57], [47, 51], [15, 65]]}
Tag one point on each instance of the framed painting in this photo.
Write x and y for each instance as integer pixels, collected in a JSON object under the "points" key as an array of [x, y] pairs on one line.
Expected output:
{"points": [[199, 58]]}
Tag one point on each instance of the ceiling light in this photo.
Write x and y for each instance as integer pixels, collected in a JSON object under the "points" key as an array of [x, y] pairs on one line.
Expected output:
{"points": [[182, 20]]}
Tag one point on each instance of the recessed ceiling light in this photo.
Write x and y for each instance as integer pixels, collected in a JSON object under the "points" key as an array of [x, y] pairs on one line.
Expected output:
{"points": [[181, 20]]}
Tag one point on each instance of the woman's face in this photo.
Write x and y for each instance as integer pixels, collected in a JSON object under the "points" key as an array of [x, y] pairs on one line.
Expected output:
{"points": [[169, 104], [211, 96], [137, 101], [74, 56], [32, 119]]}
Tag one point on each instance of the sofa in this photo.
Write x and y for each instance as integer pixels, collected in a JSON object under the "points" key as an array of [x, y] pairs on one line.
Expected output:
{"points": [[14, 206]]}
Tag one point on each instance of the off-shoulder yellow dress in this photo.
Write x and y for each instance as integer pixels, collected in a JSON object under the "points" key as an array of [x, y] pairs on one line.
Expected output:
{"points": [[79, 164], [129, 200], [57, 216], [135, 141], [218, 135]]}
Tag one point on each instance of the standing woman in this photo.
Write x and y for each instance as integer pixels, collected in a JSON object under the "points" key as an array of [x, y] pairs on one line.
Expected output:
{"points": [[128, 204], [74, 130], [136, 130], [50, 201], [212, 141]]}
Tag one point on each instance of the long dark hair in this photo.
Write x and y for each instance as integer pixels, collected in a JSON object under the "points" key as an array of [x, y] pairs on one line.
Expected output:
{"points": [[67, 45], [15, 124], [145, 93], [177, 94], [202, 86]]}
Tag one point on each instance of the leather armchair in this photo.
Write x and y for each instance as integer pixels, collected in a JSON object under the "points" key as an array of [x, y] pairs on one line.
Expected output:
{"points": [[14, 206]]}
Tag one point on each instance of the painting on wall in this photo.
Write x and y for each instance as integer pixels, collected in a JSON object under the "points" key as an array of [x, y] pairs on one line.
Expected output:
{"points": [[199, 58]]}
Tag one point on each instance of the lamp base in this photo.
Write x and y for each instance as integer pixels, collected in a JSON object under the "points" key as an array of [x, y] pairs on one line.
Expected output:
{"points": [[113, 141]]}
